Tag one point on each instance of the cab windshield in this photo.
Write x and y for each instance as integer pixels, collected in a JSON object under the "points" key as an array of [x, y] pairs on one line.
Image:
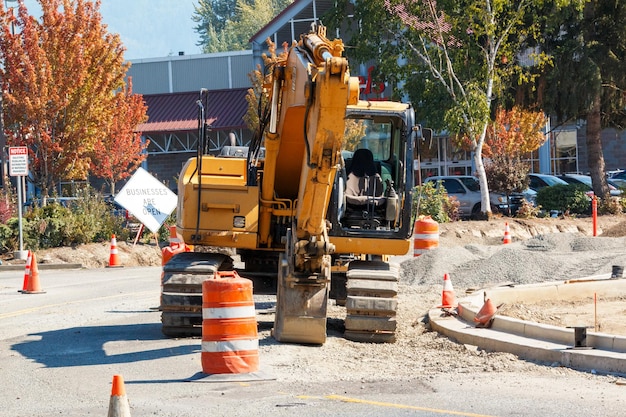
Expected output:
{"points": [[369, 134]]}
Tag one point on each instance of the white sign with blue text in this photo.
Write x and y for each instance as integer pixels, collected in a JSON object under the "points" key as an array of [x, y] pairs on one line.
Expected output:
{"points": [[146, 198]]}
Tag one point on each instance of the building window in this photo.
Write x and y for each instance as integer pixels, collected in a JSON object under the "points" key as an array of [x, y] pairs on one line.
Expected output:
{"points": [[564, 152]]}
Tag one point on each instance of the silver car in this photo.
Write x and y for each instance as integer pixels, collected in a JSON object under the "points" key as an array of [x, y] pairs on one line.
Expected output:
{"points": [[466, 190]]}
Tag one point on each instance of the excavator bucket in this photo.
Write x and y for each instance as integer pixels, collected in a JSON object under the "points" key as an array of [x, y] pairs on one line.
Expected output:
{"points": [[301, 308]]}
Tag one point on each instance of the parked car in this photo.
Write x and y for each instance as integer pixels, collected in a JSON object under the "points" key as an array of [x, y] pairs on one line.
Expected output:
{"points": [[466, 189], [619, 179], [586, 180], [539, 181]]}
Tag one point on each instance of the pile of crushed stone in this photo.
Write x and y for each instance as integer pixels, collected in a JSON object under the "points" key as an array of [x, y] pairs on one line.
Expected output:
{"points": [[550, 257]]}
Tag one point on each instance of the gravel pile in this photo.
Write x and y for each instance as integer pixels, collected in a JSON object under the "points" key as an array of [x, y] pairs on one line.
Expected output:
{"points": [[552, 257]]}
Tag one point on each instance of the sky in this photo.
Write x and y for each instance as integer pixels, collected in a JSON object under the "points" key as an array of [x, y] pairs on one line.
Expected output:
{"points": [[148, 28]]}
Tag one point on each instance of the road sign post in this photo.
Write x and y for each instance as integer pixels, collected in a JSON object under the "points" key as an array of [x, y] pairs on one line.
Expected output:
{"points": [[18, 167]]}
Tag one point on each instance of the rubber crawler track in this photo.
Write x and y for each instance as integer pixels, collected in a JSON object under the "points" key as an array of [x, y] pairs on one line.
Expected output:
{"points": [[372, 302]]}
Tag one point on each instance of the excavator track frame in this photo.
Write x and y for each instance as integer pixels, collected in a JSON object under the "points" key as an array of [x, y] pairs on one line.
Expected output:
{"points": [[181, 290]]}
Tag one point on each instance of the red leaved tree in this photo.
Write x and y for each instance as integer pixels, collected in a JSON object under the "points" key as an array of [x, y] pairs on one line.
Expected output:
{"points": [[59, 78], [513, 134], [115, 158]]}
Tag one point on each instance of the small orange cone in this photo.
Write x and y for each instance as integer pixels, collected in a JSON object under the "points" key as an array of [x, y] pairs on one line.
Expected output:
{"points": [[33, 286], [29, 260], [114, 258], [486, 313], [175, 240], [118, 404], [448, 300], [507, 234]]}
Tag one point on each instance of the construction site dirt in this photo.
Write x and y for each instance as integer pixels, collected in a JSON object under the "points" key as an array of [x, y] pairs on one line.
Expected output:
{"points": [[473, 255]]}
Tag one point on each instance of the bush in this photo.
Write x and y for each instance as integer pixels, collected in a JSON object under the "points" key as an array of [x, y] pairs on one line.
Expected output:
{"points": [[8, 239], [527, 210], [433, 202], [86, 219], [612, 205], [563, 198]]}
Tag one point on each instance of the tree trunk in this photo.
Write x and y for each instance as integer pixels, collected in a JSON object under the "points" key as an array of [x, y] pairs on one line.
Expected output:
{"points": [[485, 201], [595, 157]]}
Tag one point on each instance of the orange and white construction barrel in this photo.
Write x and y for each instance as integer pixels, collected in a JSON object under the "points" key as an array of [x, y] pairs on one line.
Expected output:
{"points": [[425, 235], [230, 343]]}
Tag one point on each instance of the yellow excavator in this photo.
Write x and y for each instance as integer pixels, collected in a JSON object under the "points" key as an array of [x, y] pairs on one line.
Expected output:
{"points": [[314, 206]]}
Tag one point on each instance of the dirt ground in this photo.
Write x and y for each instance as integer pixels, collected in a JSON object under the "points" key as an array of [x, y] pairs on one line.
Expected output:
{"points": [[489, 233], [605, 315], [473, 254]]}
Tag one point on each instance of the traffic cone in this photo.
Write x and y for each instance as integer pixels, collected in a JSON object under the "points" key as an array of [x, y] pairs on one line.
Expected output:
{"points": [[29, 260], [114, 259], [118, 404], [486, 313], [33, 286], [448, 300], [175, 240], [507, 234]]}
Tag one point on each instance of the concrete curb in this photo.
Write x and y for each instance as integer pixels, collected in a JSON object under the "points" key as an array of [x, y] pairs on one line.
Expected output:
{"points": [[534, 341], [40, 267]]}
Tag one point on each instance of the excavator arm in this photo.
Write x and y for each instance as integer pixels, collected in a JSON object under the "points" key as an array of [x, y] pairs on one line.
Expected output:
{"points": [[311, 90]]}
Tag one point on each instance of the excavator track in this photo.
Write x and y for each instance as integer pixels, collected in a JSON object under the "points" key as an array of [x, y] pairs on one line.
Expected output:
{"points": [[371, 304], [181, 290]]}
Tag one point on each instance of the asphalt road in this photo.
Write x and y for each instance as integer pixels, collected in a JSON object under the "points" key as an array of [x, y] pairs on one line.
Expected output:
{"points": [[60, 350]]}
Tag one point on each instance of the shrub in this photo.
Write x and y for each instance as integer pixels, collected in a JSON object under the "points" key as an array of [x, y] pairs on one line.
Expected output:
{"points": [[527, 210], [563, 198], [8, 238], [85, 219], [428, 200], [612, 205]]}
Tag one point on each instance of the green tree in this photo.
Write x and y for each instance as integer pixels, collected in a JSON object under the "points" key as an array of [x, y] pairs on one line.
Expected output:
{"points": [[59, 78], [454, 59], [588, 80], [211, 17], [227, 25]]}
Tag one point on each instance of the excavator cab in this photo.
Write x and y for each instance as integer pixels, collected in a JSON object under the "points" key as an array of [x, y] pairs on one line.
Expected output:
{"points": [[373, 174]]}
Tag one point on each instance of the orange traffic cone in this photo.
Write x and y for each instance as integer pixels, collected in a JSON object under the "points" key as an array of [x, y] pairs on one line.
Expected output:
{"points": [[486, 313], [29, 260], [507, 234], [118, 404], [114, 259], [448, 300], [175, 240], [33, 286]]}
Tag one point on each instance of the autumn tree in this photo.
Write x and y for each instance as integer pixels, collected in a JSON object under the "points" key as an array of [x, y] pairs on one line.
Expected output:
{"points": [[59, 75], [117, 157], [515, 133], [509, 138]]}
